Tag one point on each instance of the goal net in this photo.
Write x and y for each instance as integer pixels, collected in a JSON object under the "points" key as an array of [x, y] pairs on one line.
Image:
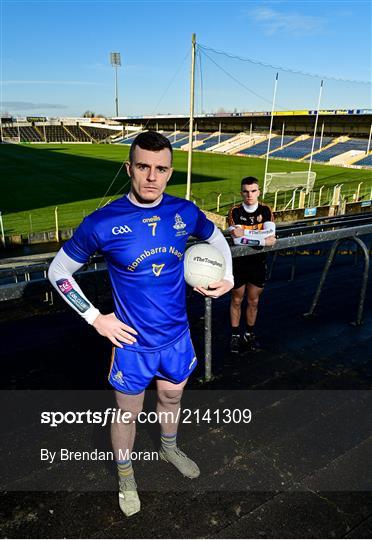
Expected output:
{"points": [[14, 140], [285, 181]]}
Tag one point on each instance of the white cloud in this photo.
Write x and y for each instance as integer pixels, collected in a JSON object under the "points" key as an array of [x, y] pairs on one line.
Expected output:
{"points": [[275, 22], [51, 82], [29, 106]]}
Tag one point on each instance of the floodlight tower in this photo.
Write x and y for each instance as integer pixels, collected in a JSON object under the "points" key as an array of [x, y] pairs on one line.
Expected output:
{"points": [[115, 60]]}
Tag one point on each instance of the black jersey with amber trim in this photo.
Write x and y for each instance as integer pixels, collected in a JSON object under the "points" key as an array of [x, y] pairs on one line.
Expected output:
{"points": [[255, 220], [238, 215]]}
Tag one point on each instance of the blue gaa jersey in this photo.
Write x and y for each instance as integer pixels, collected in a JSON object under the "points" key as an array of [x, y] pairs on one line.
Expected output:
{"points": [[143, 249]]}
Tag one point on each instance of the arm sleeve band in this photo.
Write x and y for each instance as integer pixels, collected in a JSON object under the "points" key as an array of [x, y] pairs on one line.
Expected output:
{"points": [[217, 240], [255, 237], [60, 275]]}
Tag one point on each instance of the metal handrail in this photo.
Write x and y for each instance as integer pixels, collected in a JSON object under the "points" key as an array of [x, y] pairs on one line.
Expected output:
{"points": [[236, 251], [16, 290]]}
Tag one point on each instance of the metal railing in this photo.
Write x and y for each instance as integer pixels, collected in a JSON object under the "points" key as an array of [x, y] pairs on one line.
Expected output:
{"points": [[300, 237], [337, 236]]}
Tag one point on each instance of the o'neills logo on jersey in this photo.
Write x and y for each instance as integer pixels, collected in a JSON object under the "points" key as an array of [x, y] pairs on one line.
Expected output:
{"points": [[152, 219], [179, 225], [121, 229]]}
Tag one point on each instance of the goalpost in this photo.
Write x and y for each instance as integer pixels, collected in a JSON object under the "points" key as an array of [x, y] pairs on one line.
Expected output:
{"points": [[11, 140], [284, 181], [5, 137]]}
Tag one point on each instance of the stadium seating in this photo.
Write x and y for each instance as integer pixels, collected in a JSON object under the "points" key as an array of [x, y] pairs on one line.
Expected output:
{"points": [[230, 146], [182, 138], [300, 149], [10, 131], [179, 139], [261, 148], [340, 148], [79, 134], [30, 134], [56, 134], [128, 140], [212, 141], [197, 141], [100, 133], [26, 133], [365, 162], [201, 136]]}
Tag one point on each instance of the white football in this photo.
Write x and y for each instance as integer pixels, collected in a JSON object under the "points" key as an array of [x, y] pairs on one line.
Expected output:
{"points": [[203, 264]]}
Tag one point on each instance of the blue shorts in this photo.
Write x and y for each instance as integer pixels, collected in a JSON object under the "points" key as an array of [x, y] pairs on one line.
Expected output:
{"points": [[132, 370]]}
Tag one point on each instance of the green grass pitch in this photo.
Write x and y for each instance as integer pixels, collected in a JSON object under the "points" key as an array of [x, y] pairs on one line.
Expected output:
{"points": [[75, 177]]}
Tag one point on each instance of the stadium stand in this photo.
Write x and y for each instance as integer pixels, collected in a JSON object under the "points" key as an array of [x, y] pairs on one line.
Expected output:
{"points": [[26, 133], [10, 131], [56, 134], [129, 140], [201, 136], [216, 139], [179, 139], [300, 149], [235, 143], [98, 133], [30, 134], [176, 139], [261, 148], [79, 134], [366, 161], [340, 148], [197, 140]]}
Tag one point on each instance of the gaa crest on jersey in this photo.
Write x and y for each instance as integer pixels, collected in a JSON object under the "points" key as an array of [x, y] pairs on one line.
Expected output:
{"points": [[259, 218], [179, 225], [121, 229]]}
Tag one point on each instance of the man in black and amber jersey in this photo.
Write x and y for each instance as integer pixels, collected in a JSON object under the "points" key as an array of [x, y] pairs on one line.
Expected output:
{"points": [[250, 223]]}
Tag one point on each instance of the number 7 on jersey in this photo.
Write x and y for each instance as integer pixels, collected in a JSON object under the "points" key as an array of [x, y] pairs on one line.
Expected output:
{"points": [[153, 225]]}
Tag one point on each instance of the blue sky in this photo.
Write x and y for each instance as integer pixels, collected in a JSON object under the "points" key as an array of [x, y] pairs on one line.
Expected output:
{"points": [[55, 55]]}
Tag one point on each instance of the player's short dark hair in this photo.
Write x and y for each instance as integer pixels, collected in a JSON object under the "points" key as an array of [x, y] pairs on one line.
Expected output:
{"points": [[249, 180], [150, 140]]}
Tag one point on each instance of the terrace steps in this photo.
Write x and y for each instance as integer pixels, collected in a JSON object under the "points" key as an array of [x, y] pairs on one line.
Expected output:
{"points": [[69, 132], [329, 145]]}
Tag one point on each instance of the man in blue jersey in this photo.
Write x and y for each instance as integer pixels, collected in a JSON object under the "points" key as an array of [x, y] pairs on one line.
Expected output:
{"points": [[143, 238]]}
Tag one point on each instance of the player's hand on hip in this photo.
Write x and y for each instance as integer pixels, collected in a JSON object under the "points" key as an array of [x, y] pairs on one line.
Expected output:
{"points": [[116, 331], [215, 289], [270, 241]]}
